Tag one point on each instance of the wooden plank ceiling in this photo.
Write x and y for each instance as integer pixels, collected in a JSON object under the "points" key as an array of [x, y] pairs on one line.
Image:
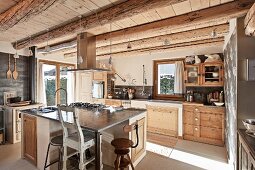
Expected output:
{"points": [[68, 10]]}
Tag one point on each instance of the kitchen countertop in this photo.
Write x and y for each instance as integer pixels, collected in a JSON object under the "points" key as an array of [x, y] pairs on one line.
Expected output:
{"points": [[96, 121]]}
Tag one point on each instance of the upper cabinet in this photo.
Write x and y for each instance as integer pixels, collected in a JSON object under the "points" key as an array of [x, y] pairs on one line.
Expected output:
{"points": [[204, 74]]}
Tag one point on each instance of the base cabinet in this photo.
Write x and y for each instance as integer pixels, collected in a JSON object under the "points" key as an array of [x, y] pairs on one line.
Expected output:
{"points": [[162, 120], [246, 160], [140, 149], [204, 124], [29, 138]]}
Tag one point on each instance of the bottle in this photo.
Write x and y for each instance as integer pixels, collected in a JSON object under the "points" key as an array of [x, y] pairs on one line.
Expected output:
{"points": [[221, 97], [187, 96], [191, 96]]}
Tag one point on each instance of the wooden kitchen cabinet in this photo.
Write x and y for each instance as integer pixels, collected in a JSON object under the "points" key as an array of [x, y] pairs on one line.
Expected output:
{"points": [[162, 120], [245, 154], [113, 102], [140, 149], [29, 138], [204, 123], [204, 74]]}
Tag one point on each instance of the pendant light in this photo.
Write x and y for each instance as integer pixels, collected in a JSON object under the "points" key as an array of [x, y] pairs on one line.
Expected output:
{"points": [[110, 58], [129, 46], [16, 54], [213, 33], [30, 52], [79, 58], [47, 47]]}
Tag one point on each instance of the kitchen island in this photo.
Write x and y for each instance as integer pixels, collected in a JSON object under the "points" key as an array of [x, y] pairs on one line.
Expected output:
{"points": [[103, 122]]}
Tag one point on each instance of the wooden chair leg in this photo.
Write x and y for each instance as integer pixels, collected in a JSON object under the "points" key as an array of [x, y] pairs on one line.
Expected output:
{"points": [[117, 162], [132, 166], [64, 157], [81, 164]]}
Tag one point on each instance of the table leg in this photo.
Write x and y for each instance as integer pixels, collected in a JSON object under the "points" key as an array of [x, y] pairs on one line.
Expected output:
{"points": [[98, 158]]}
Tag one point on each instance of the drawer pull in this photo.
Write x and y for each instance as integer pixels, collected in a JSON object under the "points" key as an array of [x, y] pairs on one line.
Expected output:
{"points": [[196, 129], [196, 109], [196, 119]]}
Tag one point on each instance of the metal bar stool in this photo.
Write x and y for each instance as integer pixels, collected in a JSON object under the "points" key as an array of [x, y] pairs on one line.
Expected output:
{"points": [[58, 142], [122, 146]]}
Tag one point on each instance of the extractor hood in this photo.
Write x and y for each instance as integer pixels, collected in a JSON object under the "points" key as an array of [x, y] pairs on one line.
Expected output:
{"points": [[86, 53]]}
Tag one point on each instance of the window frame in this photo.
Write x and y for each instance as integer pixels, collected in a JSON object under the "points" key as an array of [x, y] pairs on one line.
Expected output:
{"points": [[155, 81], [58, 65]]}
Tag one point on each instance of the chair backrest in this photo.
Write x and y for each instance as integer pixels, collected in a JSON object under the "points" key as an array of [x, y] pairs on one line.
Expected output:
{"points": [[70, 128], [130, 128]]}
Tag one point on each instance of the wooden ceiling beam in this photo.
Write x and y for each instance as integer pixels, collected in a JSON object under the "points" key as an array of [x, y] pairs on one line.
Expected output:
{"points": [[214, 14], [187, 45], [114, 13], [249, 22], [192, 35], [177, 38], [22, 11]]}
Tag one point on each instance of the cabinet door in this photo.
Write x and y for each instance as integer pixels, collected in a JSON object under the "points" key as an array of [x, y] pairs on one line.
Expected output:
{"points": [[162, 120], [29, 138], [192, 75], [85, 87], [140, 149], [98, 76], [212, 74]]}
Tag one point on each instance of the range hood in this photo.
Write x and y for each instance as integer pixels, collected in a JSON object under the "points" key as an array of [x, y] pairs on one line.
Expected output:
{"points": [[86, 53]]}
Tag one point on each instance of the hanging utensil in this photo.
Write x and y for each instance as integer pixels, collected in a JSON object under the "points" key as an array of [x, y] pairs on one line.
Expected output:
{"points": [[9, 72], [15, 73]]}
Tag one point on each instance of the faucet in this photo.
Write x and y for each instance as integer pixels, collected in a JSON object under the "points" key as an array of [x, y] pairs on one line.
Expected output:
{"points": [[64, 91]]}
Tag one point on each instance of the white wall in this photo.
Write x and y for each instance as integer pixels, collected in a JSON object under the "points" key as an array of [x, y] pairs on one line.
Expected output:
{"points": [[58, 57], [6, 47], [130, 67]]}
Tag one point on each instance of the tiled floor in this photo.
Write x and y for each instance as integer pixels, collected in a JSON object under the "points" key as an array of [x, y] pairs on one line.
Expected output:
{"points": [[186, 155]]}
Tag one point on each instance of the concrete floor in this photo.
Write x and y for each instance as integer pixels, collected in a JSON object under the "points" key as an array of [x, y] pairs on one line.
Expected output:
{"points": [[185, 155]]}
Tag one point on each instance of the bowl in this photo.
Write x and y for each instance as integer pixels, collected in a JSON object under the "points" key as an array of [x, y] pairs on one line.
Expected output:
{"points": [[218, 103], [249, 125], [215, 75]]}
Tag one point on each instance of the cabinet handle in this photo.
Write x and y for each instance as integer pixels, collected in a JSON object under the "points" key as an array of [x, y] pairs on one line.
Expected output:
{"points": [[196, 119], [196, 129], [196, 109]]}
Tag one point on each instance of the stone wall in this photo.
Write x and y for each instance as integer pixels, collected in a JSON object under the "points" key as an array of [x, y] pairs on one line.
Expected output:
{"points": [[21, 85]]}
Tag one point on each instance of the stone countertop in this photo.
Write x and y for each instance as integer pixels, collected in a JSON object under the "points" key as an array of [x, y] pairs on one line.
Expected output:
{"points": [[250, 141], [93, 120]]}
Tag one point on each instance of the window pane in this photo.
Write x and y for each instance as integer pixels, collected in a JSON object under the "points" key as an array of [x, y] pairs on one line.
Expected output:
{"points": [[66, 82], [166, 78], [49, 72]]}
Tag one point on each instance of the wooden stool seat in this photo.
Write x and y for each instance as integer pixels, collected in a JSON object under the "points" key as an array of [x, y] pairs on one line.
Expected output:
{"points": [[121, 151], [122, 148], [122, 143]]}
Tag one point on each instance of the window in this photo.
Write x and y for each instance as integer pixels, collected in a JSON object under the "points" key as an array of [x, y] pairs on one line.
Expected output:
{"points": [[166, 73], [55, 76]]}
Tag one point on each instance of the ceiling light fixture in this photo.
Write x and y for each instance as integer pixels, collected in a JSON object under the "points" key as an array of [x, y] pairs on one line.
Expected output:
{"points": [[129, 46], [213, 33], [79, 58], [47, 47], [30, 52], [110, 58], [16, 54]]}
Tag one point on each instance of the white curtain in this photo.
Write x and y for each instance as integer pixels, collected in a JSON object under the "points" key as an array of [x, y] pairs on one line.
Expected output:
{"points": [[70, 87], [178, 77], [41, 86]]}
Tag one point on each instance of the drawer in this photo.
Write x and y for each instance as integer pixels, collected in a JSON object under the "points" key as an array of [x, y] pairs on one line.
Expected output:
{"points": [[191, 118], [188, 129], [211, 133], [214, 110], [191, 108], [211, 120]]}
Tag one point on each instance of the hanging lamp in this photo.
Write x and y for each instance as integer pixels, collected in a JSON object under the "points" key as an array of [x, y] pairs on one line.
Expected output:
{"points": [[79, 58], [16, 54], [30, 52], [47, 47]]}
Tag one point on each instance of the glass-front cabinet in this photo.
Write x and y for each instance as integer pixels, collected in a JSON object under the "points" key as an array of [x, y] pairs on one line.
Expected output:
{"points": [[212, 74], [192, 75], [204, 74]]}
